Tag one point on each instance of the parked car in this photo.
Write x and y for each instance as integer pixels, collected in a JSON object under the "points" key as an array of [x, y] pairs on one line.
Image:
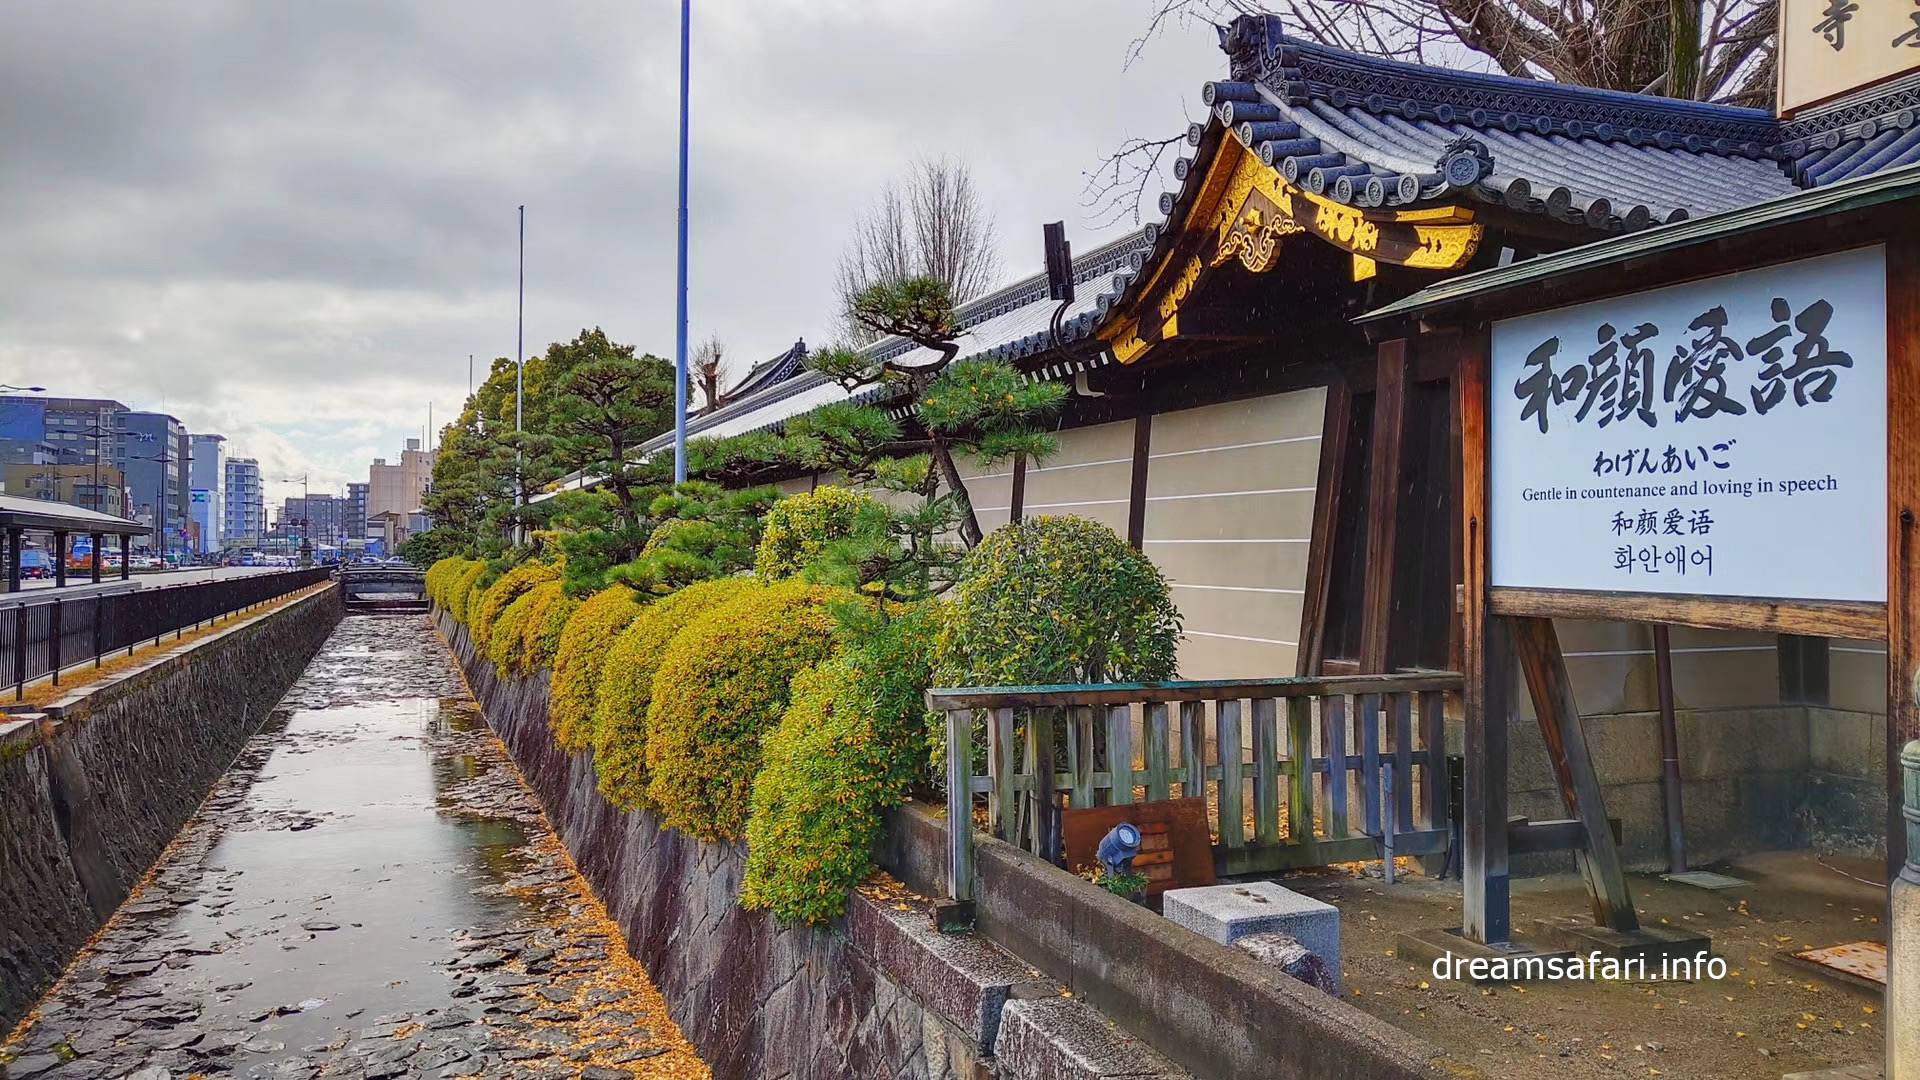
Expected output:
{"points": [[35, 564]]}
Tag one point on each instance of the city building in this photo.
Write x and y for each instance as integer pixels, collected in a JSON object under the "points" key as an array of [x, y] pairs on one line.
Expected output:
{"points": [[243, 505], [356, 512], [397, 488], [153, 453], [321, 518], [74, 485], [80, 430], [206, 492], [27, 452]]}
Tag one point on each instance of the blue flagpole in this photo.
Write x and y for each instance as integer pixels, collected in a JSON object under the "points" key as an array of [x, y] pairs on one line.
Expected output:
{"points": [[680, 329]]}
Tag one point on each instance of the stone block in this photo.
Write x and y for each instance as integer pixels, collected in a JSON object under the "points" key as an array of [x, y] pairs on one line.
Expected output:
{"points": [[1060, 1039], [1847, 743], [960, 976], [1227, 913]]}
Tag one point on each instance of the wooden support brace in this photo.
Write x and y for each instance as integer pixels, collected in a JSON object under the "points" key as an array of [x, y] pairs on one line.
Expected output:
{"points": [[1538, 648], [1486, 661]]}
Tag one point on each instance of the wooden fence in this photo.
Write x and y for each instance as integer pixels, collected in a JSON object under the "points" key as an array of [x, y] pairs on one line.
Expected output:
{"points": [[1296, 772]]}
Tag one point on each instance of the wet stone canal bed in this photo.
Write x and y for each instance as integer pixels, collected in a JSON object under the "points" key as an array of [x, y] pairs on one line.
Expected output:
{"points": [[371, 892]]}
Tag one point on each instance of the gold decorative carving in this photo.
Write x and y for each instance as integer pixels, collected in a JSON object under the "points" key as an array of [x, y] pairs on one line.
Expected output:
{"points": [[1255, 237], [1177, 292]]}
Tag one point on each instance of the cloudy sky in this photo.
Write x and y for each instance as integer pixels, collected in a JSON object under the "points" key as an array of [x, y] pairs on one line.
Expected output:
{"points": [[290, 223]]}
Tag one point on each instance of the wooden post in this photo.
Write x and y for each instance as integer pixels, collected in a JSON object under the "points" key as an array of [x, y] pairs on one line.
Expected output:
{"points": [[1137, 492], [1326, 518], [1120, 754], [1226, 722], [1538, 649], [960, 804], [99, 549], [1158, 765], [1485, 914], [1046, 801], [1003, 759], [1193, 756], [1383, 502], [1300, 750], [1903, 524], [59, 558], [1266, 770], [1333, 729], [1019, 501]]}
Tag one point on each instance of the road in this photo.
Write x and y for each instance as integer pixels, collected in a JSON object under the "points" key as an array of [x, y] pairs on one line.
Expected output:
{"points": [[78, 582]]}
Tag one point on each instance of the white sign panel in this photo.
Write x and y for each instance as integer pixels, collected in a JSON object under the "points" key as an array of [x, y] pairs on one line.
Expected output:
{"points": [[1725, 437], [1829, 47]]}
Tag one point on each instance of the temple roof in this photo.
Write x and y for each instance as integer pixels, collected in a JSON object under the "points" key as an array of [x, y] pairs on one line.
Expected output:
{"points": [[766, 373]]}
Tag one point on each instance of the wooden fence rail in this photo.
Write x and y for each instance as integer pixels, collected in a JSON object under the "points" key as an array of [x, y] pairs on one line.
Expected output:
{"points": [[1296, 772]]}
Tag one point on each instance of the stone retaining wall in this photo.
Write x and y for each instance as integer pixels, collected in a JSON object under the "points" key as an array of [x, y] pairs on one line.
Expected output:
{"points": [[95, 786]]}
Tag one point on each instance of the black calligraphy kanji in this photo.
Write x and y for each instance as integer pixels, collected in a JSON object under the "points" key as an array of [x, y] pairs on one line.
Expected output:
{"points": [[1697, 374], [1543, 386], [1701, 523], [1621, 389], [1621, 523], [1674, 520], [1814, 359], [1834, 26], [1911, 39], [1648, 525]]}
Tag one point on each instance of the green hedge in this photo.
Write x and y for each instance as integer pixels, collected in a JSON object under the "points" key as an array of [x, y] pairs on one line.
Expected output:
{"points": [[724, 683], [625, 687], [504, 641], [540, 636], [852, 743], [460, 589], [576, 663]]}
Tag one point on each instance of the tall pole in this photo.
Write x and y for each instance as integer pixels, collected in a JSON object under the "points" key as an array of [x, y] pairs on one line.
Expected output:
{"points": [[519, 374], [680, 327], [469, 374]]}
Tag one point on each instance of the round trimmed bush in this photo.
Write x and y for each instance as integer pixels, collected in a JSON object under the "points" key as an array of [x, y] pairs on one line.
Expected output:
{"points": [[852, 743], [504, 646], [1057, 600], [576, 663], [512, 585], [799, 527], [460, 588], [441, 574], [626, 684], [723, 684], [546, 621]]}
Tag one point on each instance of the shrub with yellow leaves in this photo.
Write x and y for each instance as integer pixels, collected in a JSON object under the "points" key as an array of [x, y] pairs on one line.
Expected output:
{"points": [[851, 744], [583, 649], [724, 682], [798, 529], [512, 585], [626, 684]]}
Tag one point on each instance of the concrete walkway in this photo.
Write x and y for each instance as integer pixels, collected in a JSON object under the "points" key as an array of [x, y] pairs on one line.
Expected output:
{"points": [[371, 892]]}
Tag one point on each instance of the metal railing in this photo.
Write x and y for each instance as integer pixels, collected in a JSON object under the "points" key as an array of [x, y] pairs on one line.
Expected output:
{"points": [[1295, 772], [47, 636]]}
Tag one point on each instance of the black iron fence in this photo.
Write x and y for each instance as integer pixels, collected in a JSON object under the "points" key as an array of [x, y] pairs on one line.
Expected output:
{"points": [[45, 636]]}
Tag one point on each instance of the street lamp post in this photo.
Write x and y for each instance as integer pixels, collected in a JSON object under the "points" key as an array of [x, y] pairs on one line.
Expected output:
{"points": [[305, 519]]}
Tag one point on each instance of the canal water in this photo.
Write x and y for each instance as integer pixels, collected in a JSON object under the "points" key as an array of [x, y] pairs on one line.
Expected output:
{"points": [[371, 892]]}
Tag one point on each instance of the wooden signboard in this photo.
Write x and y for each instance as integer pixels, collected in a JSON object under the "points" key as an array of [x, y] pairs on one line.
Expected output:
{"points": [[1711, 453], [1831, 47], [1176, 848]]}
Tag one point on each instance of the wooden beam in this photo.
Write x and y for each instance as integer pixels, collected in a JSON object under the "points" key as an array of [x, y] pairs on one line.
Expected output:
{"points": [[1326, 516], [1486, 662], [1383, 501], [1903, 523], [1137, 492], [1810, 618], [1019, 499], [1537, 646]]}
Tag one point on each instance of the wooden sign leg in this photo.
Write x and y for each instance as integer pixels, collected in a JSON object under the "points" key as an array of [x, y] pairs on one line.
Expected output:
{"points": [[1538, 649], [1486, 657]]}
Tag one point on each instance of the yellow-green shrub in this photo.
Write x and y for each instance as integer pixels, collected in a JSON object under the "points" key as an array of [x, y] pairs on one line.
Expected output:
{"points": [[799, 527], [626, 684], [512, 585], [460, 588], [503, 646], [576, 663], [440, 575], [550, 607], [852, 743], [722, 685]]}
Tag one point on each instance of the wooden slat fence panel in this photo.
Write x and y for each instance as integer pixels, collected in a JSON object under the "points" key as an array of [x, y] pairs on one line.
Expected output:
{"points": [[1112, 743]]}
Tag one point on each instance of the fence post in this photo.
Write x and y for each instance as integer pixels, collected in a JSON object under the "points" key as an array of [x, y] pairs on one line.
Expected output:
{"points": [[1226, 722], [99, 605], [960, 804], [20, 652], [54, 631]]}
